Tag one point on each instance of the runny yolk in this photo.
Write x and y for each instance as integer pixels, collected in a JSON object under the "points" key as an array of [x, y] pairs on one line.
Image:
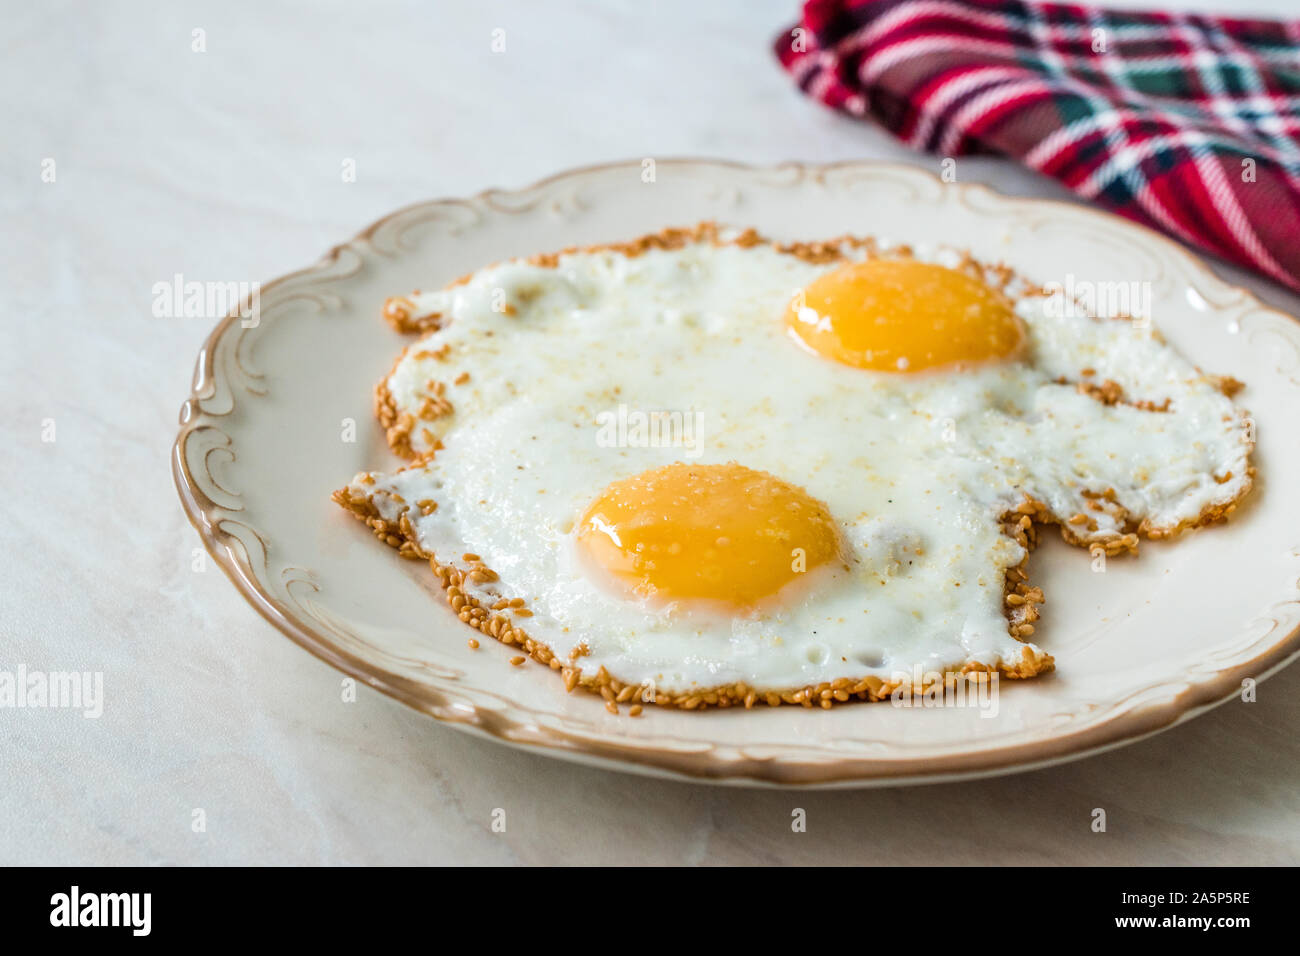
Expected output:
{"points": [[901, 315], [723, 534]]}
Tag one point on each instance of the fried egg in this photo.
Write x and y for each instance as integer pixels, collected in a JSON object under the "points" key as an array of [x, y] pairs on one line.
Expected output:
{"points": [[733, 471]]}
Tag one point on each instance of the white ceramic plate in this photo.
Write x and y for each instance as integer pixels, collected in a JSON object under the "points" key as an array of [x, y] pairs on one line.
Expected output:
{"points": [[1150, 642]]}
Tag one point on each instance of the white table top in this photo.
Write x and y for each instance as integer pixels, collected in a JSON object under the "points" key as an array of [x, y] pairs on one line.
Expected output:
{"points": [[226, 164]]}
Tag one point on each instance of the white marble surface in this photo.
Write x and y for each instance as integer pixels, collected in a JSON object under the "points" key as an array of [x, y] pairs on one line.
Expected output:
{"points": [[226, 164]]}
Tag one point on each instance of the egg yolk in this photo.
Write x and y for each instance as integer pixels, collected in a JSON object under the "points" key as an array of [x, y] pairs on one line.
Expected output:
{"points": [[723, 534], [900, 315]]}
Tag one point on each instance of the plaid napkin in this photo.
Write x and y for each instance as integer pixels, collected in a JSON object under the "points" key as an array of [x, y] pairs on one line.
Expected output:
{"points": [[1189, 124]]}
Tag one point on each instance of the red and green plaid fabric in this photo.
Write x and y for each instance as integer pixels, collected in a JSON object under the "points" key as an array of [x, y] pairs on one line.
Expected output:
{"points": [[1187, 123]]}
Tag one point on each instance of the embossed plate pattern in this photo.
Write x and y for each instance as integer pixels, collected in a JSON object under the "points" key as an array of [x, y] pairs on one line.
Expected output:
{"points": [[1148, 643]]}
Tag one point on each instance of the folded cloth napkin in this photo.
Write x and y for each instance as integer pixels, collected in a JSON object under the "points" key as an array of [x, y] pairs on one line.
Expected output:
{"points": [[1187, 123]]}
